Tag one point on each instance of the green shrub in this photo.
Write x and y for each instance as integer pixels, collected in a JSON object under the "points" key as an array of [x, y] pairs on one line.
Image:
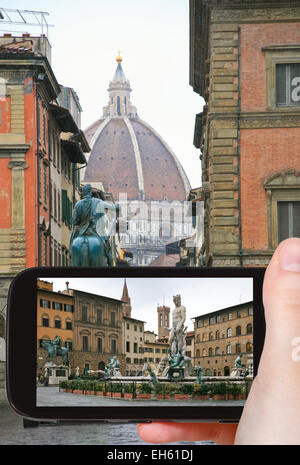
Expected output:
{"points": [[186, 389], [128, 387], [144, 388], [172, 388], [200, 389]]}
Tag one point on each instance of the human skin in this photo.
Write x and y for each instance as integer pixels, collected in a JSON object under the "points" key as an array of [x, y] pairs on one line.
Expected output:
{"points": [[271, 415]]}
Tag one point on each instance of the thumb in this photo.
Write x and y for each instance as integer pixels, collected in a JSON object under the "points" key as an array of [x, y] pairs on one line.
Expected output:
{"points": [[271, 414]]}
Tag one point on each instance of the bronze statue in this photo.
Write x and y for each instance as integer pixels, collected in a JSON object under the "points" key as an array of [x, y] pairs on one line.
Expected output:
{"points": [[178, 330], [112, 368], [90, 242], [55, 349]]}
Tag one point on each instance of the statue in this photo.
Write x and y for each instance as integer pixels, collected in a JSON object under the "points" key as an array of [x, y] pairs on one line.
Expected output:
{"points": [[178, 330], [176, 366], [161, 366], [89, 242], [199, 374], [112, 368], [55, 349], [147, 367], [238, 367]]}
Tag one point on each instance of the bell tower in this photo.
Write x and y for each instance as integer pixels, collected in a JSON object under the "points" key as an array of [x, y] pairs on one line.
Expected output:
{"points": [[126, 299], [163, 315]]}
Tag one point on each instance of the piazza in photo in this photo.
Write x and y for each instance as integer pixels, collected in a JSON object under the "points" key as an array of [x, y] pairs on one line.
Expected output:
{"points": [[165, 340]]}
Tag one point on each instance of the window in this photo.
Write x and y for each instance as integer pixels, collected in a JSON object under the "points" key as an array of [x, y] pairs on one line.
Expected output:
{"points": [[69, 308], [211, 320], [229, 332], [249, 328], [135, 348], [45, 321], [218, 318], [57, 323], [45, 303], [99, 316], [217, 350], [113, 346], [288, 220], [100, 345], [113, 318], [250, 311], [238, 348], [238, 331], [228, 349], [127, 346], [84, 313], [57, 305], [85, 343], [199, 324], [229, 316], [68, 324], [288, 84]]}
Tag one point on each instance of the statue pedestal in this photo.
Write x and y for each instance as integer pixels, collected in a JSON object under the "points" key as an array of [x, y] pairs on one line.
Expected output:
{"points": [[236, 372], [56, 373]]}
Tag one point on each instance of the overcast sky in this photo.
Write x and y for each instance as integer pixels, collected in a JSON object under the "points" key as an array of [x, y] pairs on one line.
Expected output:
{"points": [[153, 38], [198, 295]]}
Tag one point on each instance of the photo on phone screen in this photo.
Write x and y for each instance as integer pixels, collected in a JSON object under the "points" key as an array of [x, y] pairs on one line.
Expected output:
{"points": [[144, 341]]}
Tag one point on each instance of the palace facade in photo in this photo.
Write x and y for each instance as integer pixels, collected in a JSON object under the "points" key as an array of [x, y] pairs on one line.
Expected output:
{"points": [[221, 336]]}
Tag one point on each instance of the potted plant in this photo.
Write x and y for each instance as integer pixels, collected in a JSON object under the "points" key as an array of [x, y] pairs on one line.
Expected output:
{"points": [[144, 391], [201, 391], [185, 391]]}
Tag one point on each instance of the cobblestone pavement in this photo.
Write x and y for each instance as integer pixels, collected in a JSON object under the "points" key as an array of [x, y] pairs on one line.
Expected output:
{"points": [[12, 432], [50, 396]]}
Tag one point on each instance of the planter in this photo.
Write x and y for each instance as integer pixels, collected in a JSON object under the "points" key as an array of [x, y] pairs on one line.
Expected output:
{"points": [[99, 393], [181, 396], [229, 396], [143, 396], [116, 394], [240, 396], [203, 397], [218, 397], [162, 396], [78, 391], [127, 395]]}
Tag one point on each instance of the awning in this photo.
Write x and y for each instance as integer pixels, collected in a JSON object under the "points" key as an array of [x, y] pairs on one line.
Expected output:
{"points": [[74, 151], [64, 119]]}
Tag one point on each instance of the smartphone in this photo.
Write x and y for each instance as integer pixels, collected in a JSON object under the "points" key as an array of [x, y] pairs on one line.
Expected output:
{"points": [[134, 344]]}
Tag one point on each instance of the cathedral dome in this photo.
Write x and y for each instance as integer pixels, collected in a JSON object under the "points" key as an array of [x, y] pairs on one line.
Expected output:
{"points": [[129, 156]]}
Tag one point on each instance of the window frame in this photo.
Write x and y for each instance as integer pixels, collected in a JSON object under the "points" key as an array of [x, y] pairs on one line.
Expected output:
{"points": [[278, 54]]}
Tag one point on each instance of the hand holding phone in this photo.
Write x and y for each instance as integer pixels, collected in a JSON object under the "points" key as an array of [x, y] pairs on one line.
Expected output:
{"points": [[271, 413]]}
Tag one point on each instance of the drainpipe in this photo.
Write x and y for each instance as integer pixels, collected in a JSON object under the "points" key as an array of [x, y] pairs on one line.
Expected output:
{"points": [[239, 149], [38, 173]]}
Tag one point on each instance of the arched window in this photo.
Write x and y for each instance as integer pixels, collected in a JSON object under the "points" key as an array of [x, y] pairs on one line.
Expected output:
{"points": [[229, 332], [228, 349], [238, 331], [204, 353], [118, 106], [198, 337], [238, 348], [210, 351], [204, 337], [249, 328], [248, 347], [210, 336], [217, 334], [197, 353], [217, 350]]}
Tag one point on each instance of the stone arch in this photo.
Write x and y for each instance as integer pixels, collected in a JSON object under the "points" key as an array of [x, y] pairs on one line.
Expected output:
{"points": [[226, 371]]}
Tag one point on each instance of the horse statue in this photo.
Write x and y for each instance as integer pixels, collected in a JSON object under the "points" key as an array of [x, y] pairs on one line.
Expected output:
{"points": [[54, 350], [90, 239]]}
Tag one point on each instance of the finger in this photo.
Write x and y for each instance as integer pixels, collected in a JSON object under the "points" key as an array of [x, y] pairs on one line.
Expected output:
{"points": [[270, 415], [194, 432], [281, 295]]}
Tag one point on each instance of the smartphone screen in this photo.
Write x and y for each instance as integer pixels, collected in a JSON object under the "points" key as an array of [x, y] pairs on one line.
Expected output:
{"points": [[144, 341]]}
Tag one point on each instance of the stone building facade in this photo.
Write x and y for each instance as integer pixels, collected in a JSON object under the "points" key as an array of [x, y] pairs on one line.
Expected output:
{"points": [[245, 63], [98, 331], [133, 345], [221, 336]]}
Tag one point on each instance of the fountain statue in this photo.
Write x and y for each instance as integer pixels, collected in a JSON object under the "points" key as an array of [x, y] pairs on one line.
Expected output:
{"points": [[179, 363], [112, 369]]}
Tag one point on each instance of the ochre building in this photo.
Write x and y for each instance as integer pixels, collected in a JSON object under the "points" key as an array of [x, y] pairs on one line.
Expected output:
{"points": [[221, 336]]}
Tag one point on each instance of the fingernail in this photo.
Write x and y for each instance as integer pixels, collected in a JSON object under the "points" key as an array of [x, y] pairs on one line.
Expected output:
{"points": [[290, 255]]}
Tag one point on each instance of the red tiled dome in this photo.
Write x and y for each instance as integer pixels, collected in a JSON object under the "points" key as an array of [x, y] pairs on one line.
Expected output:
{"points": [[128, 156], [113, 160]]}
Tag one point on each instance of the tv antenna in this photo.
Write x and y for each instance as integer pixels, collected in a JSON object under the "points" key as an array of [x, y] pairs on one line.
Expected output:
{"points": [[16, 17]]}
